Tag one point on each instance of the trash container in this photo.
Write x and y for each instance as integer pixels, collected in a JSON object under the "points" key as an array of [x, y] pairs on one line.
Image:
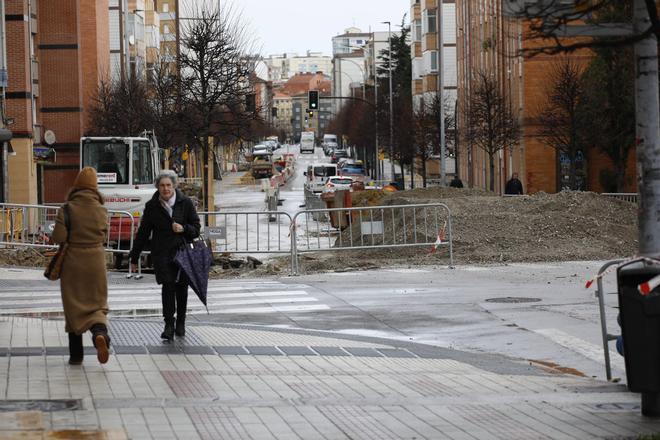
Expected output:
{"points": [[640, 328]]}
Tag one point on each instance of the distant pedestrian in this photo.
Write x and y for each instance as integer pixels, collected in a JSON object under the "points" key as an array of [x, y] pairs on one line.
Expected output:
{"points": [[456, 182], [170, 219], [83, 282], [514, 186]]}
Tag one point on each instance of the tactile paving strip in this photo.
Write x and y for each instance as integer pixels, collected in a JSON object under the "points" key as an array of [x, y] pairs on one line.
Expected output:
{"points": [[125, 333]]}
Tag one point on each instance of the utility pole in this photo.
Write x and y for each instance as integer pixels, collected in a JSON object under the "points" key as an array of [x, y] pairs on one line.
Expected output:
{"points": [[441, 91], [389, 39], [647, 132], [377, 161], [127, 48]]}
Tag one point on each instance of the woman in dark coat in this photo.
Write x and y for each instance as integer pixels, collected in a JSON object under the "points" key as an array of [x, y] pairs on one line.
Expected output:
{"points": [[169, 219], [83, 282]]}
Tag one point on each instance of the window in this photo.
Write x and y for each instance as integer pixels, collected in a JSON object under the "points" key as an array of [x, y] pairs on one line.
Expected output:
{"points": [[166, 7], [166, 29], [142, 167], [417, 30], [430, 21], [109, 159], [434, 61]]}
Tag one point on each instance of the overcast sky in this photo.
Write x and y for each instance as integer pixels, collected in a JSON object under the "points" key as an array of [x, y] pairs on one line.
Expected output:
{"points": [[298, 25]]}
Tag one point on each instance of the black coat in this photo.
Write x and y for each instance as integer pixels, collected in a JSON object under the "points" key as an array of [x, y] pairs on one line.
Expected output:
{"points": [[513, 186], [157, 224]]}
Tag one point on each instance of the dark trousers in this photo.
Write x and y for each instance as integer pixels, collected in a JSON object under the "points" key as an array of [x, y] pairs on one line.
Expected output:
{"points": [[175, 298]]}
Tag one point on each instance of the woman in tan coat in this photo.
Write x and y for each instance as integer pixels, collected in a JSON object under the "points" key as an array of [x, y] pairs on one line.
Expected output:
{"points": [[83, 279]]}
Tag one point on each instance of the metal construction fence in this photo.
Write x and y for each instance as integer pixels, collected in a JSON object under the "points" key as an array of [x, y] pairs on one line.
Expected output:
{"points": [[262, 232], [626, 197], [373, 227], [32, 226]]}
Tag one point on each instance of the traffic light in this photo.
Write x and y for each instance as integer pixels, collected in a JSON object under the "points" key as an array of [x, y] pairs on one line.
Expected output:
{"points": [[311, 114], [313, 99]]}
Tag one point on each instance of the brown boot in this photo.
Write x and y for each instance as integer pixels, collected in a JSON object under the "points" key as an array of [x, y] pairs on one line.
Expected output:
{"points": [[101, 342], [76, 352]]}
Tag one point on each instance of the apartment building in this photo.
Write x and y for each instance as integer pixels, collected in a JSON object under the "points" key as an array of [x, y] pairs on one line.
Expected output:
{"points": [[433, 25], [297, 89], [283, 113], [168, 28], [490, 42], [56, 54], [5, 133], [282, 67]]}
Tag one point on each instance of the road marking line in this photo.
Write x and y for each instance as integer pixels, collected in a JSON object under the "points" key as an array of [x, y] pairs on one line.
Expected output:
{"points": [[132, 298], [586, 349]]}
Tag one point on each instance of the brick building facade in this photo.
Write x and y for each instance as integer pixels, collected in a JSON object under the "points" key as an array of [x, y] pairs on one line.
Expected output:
{"points": [[489, 42], [57, 51]]}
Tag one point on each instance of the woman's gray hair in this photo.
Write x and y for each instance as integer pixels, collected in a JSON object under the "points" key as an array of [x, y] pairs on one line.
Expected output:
{"points": [[169, 174]]}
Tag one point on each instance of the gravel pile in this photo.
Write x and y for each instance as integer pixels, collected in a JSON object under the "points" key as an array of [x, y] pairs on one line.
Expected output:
{"points": [[569, 225]]}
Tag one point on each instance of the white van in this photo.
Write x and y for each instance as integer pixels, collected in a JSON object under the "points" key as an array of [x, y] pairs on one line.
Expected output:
{"points": [[327, 138], [317, 176], [307, 140]]}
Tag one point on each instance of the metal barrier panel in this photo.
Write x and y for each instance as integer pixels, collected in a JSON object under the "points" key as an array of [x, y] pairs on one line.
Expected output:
{"points": [[626, 197], [606, 337], [249, 232], [373, 227], [33, 225]]}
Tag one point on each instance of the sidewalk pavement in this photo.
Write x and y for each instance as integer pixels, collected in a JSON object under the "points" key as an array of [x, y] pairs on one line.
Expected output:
{"points": [[246, 382]]}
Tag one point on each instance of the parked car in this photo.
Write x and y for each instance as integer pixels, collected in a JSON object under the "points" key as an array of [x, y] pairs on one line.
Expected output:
{"points": [[261, 148], [329, 147], [338, 154], [337, 183]]}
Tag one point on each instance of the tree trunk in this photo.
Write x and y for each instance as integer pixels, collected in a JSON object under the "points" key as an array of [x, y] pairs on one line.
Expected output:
{"points": [[403, 176], [571, 170], [620, 172], [424, 171], [648, 144], [491, 166], [412, 174]]}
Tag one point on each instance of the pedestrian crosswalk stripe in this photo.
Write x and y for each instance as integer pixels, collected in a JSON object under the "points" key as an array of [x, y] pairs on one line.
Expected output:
{"points": [[130, 296], [252, 297]]}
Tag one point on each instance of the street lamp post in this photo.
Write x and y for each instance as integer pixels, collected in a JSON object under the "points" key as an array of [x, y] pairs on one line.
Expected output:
{"points": [[441, 89], [389, 39]]}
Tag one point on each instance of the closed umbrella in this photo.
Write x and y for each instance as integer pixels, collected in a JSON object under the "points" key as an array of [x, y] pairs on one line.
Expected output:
{"points": [[194, 260]]}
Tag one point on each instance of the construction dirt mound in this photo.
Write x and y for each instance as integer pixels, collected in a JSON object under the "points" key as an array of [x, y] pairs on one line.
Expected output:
{"points": [[492, 229]]}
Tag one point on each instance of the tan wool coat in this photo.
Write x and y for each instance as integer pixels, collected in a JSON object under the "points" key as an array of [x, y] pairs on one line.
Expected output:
{"points": [[83, 280]]}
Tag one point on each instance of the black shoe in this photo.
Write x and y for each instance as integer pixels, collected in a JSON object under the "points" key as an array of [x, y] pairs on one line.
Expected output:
{"points": [[168, 333], [180, 328], [76, 352]]}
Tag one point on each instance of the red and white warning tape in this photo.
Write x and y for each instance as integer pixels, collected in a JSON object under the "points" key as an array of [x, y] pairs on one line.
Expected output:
{"points": [[644, 288], [440, 240]]}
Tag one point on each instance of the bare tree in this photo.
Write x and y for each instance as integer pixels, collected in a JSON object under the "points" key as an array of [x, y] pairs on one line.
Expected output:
{"points": [[121, 107], [608, 109], [559, 118], [215, 69], [548, 22], [165, 104], [427, 129], [491, 124]]}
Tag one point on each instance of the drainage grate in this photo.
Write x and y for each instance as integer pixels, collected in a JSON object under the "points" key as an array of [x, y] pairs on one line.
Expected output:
{"points": [[41, 405], [513, 300]]}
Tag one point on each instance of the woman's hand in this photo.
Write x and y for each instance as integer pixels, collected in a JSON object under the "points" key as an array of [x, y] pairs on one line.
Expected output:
{"points": [[177, 228]]}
